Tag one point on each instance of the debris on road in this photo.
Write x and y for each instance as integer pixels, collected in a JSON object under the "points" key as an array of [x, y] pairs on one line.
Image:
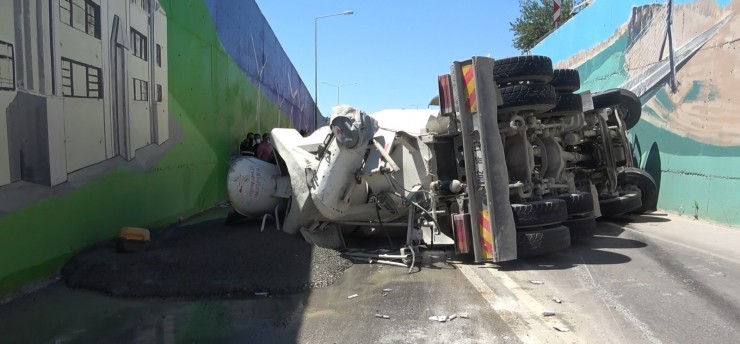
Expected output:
{"points": [[464, 315], [557, 300], [133, 239], [446, 318], [536, 282], [261, 293], [387, 290], [387, 262], [548, 313], [561, 328], [382, 316], [352, 296]]}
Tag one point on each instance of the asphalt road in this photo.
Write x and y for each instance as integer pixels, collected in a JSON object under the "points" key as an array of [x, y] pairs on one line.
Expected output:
{"points": [[659, 279], [646, 279]]}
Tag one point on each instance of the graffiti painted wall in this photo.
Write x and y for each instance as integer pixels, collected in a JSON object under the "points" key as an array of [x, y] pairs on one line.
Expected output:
{"points": [[689, 140], [125, 113]]}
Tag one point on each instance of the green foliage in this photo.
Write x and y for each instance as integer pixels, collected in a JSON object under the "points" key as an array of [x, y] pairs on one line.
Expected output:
{"points": [[535, 21]]}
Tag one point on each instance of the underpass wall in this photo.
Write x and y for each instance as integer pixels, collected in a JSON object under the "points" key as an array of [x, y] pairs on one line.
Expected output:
{"points": [[688, 140], [125, 113]]}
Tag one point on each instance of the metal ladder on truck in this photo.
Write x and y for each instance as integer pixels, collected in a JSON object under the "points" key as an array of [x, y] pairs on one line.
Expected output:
{"points": [[485, 227]]}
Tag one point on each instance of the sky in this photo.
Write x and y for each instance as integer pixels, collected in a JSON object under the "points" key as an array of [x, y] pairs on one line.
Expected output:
{"points": [[392, 49]]}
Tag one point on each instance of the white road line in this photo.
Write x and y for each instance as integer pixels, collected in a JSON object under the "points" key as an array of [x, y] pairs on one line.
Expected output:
{"points": [[519, 327], [534, 307], [611, 301]]}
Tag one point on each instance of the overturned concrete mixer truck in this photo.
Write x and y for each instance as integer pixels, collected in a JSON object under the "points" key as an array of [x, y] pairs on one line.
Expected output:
{"points": [[511, 163]]}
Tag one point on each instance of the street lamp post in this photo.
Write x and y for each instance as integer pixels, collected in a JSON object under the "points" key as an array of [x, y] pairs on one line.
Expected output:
{"points": [[316, 64], [338, 87]]}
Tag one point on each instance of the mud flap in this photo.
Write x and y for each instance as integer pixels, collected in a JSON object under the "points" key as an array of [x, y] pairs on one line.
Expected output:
{"points": [[595, 197]]}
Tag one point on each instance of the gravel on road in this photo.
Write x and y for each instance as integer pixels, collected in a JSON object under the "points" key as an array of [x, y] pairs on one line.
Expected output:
{"points": [[207, 259]]}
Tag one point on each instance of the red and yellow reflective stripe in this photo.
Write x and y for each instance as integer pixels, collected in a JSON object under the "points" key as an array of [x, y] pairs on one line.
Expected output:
{"points": [[486, 234], [469, 76]]}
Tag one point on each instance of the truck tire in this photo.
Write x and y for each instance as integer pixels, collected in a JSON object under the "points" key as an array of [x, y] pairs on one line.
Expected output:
{"points": [[541, 241], [566, 104], [632, 178], [566, 80], [539, 213], [627, 103], [536, 98], [582, 229], [625, 203], [523, 68], [580, 203]]}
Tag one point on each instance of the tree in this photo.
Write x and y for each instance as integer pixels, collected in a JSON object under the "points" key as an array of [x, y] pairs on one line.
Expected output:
{"points": [[535, 21]]}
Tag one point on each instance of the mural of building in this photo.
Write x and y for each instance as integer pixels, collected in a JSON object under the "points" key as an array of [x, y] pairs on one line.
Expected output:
{"points": [[84, 81], [126, 113], [689, 140]]}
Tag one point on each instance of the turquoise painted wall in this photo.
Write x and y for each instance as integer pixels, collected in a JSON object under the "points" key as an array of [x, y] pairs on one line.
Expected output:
{"points": [[688, 140]]}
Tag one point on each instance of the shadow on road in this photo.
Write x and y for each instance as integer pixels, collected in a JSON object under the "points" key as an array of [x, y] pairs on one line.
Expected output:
{"points": [[644, 218], [600, 250], [612, 242], [201, 281], [566, 260]]}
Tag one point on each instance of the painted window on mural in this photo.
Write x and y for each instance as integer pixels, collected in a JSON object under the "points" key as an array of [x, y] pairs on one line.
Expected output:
{"points": [[144, 4], [159, 55], [141, 90], [81, 80], [83, 15], [7, 69], [138, 45]]}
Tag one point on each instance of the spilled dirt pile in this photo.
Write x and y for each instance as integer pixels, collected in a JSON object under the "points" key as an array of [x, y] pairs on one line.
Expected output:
{"points": [[205, 260]]}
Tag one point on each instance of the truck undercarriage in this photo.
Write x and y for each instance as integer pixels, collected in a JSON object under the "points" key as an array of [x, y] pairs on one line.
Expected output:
{"points": [[512, 164]]}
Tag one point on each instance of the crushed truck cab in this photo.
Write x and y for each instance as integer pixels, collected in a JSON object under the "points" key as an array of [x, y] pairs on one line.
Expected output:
{"points": [[486, 172]]}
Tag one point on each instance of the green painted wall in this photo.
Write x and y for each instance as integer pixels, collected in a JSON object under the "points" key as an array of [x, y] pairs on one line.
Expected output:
{"points": [[604, 71], [213, 103], [695, 179]]}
